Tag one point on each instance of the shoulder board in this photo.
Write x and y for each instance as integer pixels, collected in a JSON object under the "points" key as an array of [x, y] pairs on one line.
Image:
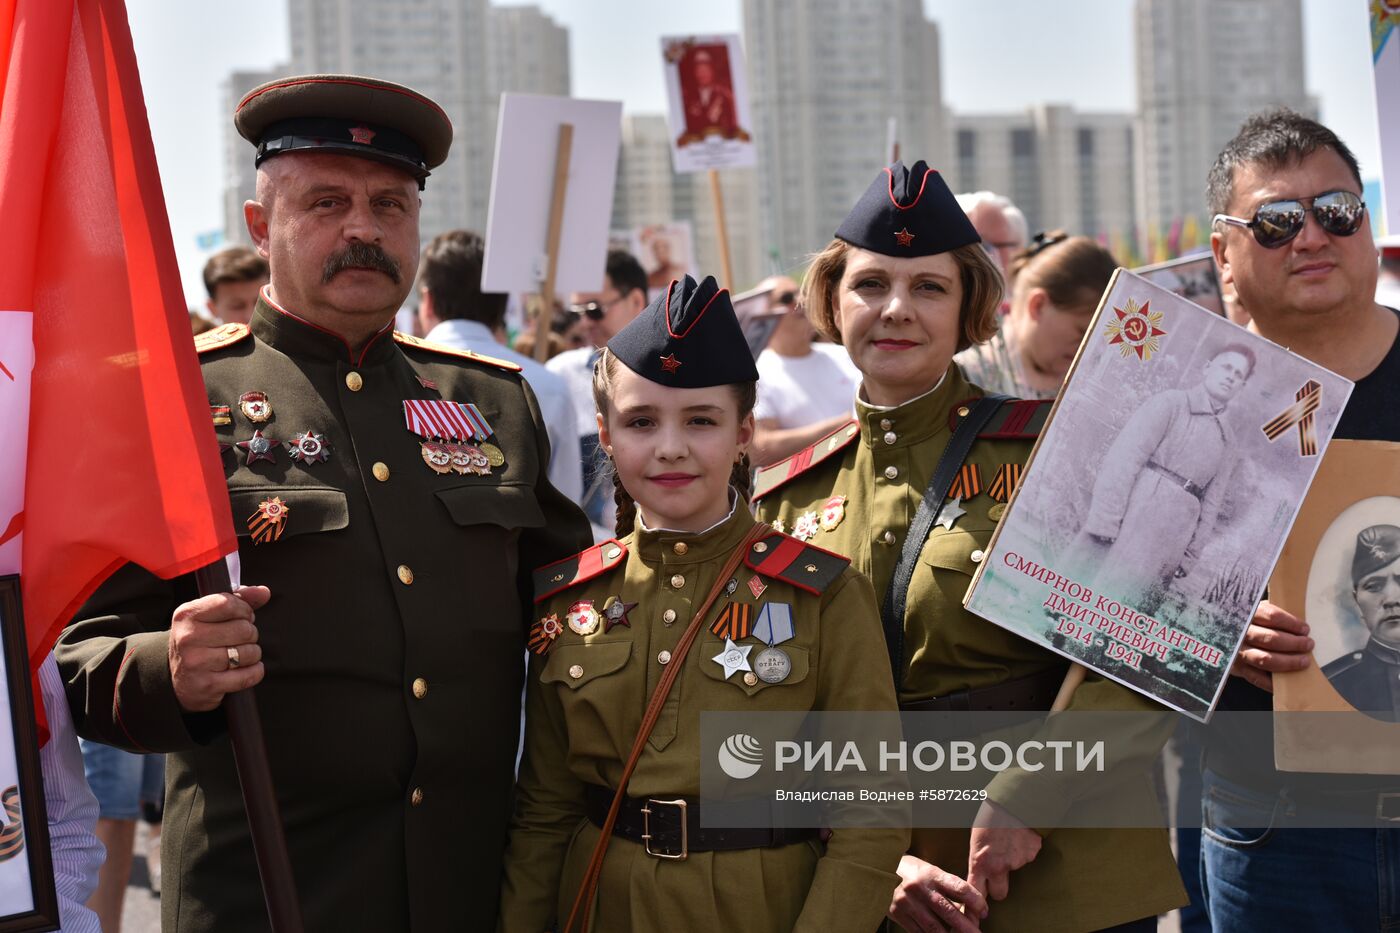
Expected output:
{"points": [[583, 566], [409, 340], [224, 335], [782, 557], [771, 477], [1016, 419], [1343, 664]]}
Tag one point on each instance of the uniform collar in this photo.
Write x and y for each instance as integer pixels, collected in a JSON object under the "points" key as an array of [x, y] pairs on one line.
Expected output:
{"points": [[690, 547], [297, 337], [1387, 654], [916, 420], [1201, 403]]}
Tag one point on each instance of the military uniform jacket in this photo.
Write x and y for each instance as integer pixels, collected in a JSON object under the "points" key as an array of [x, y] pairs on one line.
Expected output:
{"points": [[879, 466], [1369, 679], [393, 641], [585, 702]]}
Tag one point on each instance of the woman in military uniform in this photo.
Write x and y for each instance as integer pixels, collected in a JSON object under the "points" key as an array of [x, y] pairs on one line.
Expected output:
{"points": [[904, 286], [675, 392]]}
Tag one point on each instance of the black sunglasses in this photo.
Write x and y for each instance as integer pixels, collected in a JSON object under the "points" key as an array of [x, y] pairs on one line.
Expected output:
{"points": [[785, 298], [1338, 212], [595, 311]]}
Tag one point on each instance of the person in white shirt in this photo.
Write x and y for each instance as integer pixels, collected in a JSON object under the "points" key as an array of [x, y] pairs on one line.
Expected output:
{"points": [[455, 312], [806, 389], [604, 313]]}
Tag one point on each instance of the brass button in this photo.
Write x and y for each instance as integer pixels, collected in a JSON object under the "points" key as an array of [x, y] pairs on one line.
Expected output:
{"points": [[416, 797], [353, 381], [677, 581], [887, 538], [963, 411], [612, 552], [886, 424], [663, 658], [680, 547], [576, 671], [405, 574], [420, 688], [381, 472], [669, 616], [750, 679], [891, 437], [760, 547], [977, 556], [891, 472]]}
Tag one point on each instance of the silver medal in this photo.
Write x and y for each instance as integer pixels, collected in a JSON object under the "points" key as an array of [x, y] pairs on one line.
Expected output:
{"points": [[772, 665]]}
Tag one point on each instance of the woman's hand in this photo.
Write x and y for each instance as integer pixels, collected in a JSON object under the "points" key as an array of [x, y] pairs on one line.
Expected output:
{"points": [[931, 900]]}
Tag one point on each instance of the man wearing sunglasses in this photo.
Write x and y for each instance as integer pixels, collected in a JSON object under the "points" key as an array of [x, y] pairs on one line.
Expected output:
{"points": [[604, 313], [1292, 237]]}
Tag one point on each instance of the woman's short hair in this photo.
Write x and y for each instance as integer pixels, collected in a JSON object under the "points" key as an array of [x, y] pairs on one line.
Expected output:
{"points": [[981, 286]]}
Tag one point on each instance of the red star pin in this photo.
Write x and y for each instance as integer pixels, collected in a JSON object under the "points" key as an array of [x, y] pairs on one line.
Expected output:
{"points": [[361, 134], [670, 363], [904, 237]]}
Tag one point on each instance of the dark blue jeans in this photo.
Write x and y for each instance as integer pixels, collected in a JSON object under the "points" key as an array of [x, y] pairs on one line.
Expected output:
{"points": [[1260, 874]]}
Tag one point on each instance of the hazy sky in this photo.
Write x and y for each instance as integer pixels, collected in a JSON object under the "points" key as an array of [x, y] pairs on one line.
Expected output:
{"points": [[1001, 56]]}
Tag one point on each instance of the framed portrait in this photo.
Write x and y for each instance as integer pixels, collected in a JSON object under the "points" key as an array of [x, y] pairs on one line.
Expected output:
{"points": [[1192, 277], [28, 902], [707, 102], [757, 319], [666, 252], [1158, 495], [1339, 571]]}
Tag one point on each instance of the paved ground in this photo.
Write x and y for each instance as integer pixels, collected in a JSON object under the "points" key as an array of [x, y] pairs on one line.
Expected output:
{"points": [[141, 911]]}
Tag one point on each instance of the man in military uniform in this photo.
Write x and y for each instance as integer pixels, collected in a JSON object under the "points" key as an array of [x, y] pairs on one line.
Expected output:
{"points": [[391, 496], [1370, 679]]}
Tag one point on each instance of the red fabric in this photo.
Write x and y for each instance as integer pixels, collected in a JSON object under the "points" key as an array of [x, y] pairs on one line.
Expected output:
{"points": [[122, 462]]}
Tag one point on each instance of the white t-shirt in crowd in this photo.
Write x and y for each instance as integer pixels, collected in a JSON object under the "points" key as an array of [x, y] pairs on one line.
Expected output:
{"points": [[802, 390]]}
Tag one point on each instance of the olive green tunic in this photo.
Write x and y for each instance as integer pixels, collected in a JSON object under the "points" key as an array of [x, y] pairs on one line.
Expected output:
{"points": [[585, 702], [393, 643], [1077, 882]]}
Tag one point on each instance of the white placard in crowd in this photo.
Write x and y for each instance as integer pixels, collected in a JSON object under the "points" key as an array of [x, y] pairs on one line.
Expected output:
{"points": [[666, 252], [522, 190], [1385, 57], [1159, 495], [708, 102]]}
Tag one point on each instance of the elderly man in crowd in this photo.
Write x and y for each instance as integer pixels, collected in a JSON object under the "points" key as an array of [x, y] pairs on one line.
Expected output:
{"points": [[390, 499]]}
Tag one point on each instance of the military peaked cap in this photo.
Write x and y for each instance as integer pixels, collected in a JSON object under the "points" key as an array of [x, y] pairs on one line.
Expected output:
{"points": [[346, 114], [907, 212], [1376, 547], [688, 338]]}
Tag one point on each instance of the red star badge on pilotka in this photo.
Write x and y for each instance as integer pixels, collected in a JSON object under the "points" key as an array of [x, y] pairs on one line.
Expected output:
{"points": [[361, 134], [904, 237], [670, 363]]}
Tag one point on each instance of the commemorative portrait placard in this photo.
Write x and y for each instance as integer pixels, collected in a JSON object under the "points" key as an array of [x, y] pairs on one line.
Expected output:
{"points": [[1159, 495]]}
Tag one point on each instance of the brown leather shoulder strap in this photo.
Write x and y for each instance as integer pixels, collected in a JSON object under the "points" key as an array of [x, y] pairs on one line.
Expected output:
{"points": [[583, 901]]}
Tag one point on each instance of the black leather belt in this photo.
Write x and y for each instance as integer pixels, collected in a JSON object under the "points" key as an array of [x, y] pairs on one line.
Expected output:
{"points": [[1036, 692], [1384, 807], [669, 826], [1183, 482]]}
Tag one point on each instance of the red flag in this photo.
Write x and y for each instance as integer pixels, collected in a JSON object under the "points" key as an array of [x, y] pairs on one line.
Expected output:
{"points": [[122, 462]]}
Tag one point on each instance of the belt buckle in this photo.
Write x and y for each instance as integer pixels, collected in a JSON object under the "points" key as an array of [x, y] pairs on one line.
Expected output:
{"points": [[1380, 807], [680, 805]]}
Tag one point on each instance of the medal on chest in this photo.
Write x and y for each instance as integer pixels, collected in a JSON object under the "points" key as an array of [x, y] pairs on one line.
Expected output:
{"points": [[256, 406], [582, 618], [454, 436], [772, 664], [310, 447]]}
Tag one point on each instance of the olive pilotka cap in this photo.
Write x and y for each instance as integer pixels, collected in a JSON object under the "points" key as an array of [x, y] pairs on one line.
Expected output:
{"points": [[348, 115]]}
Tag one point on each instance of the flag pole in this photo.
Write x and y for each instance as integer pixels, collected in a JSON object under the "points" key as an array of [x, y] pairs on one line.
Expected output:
{"points": [[255, 781], [721, 229]]}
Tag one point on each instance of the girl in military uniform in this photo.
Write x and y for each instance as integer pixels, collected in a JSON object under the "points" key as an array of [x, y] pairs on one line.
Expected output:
{"points": [[905, 285], [775, 625]]}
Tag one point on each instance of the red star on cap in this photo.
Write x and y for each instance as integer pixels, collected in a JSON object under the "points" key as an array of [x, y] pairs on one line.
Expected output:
{"points": [[361, 134], [670, 363], [904, 237]]}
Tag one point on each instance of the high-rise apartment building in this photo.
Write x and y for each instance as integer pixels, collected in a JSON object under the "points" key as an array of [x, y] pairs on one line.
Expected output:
{"points": [[461, 53], [826, 78], [240, 177], [650, 191], [1063, 169], [1203, 66]]}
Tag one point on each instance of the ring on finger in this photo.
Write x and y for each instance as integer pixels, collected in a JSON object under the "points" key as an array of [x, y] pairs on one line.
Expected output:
{"points": [[233, 660]]}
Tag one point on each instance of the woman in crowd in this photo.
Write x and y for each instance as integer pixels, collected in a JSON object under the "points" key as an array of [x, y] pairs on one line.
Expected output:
{"points": [[675, 394], [1058, 282], [904, 286]]}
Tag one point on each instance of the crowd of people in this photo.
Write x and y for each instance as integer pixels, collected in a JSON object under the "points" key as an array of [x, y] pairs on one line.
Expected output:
{"points": [[662, 523]]}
